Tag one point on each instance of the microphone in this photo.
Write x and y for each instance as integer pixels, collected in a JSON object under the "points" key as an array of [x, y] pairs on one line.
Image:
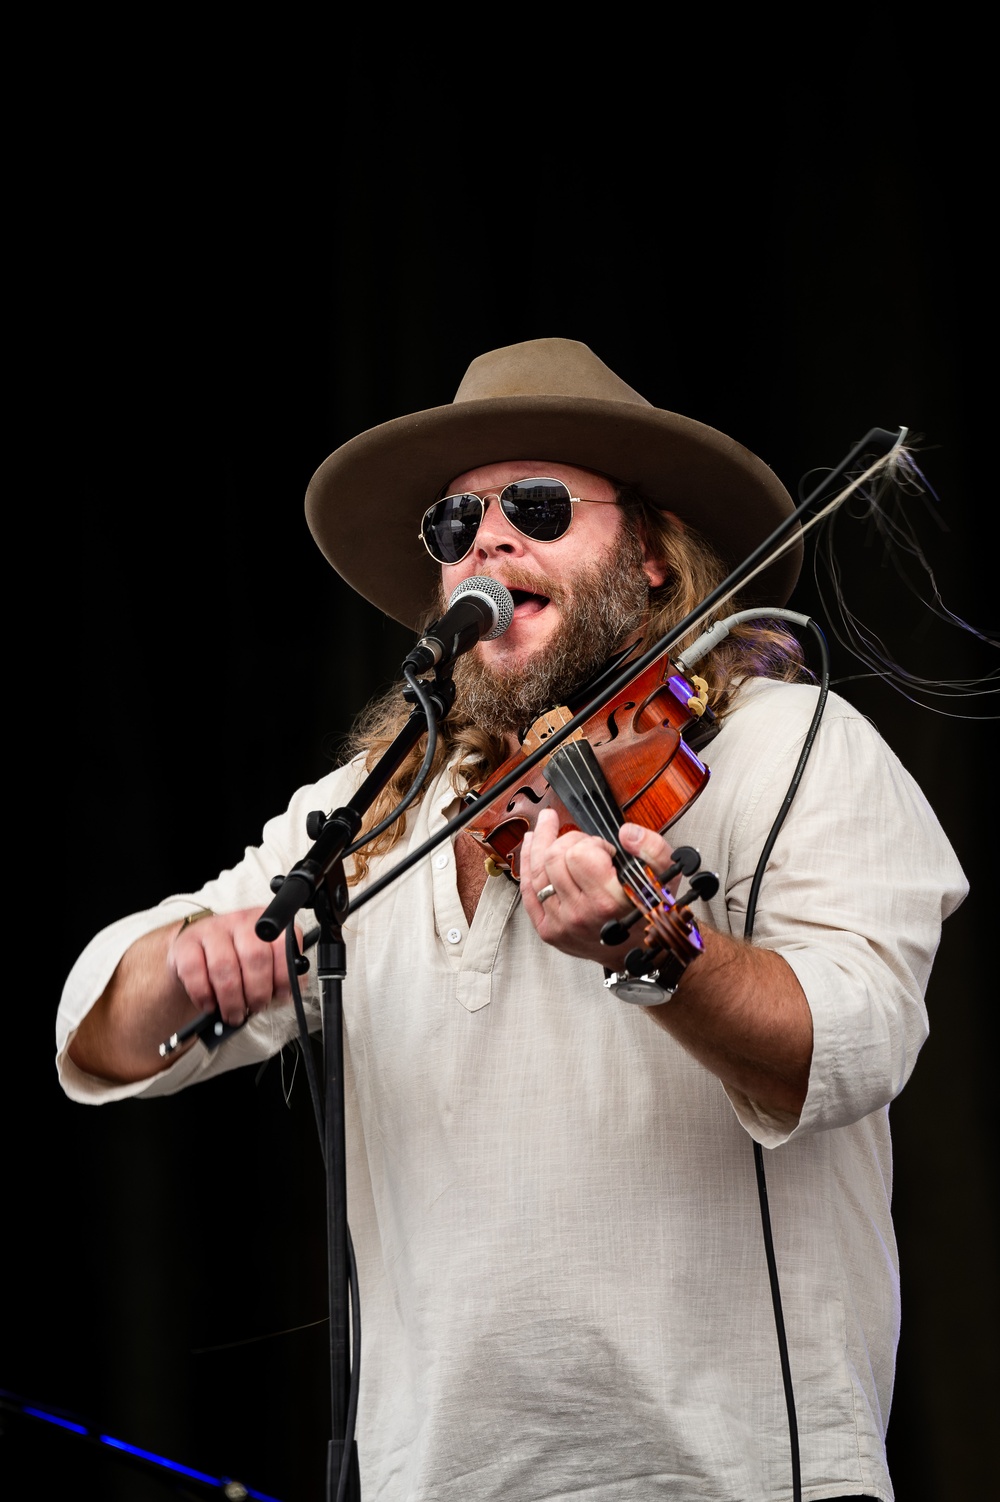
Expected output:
{"points": [[479, 609]]}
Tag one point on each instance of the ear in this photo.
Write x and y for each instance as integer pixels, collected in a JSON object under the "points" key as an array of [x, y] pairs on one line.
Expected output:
{"points": [[655, 571]]}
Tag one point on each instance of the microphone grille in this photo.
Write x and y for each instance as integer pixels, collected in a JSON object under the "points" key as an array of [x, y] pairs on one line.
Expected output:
{"points": [[496, 593]]}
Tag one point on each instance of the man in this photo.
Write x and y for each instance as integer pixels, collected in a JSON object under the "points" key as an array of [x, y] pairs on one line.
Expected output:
{"points": [[551, 1191]]}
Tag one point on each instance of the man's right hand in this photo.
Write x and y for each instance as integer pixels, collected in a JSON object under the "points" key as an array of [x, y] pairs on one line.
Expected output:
{"points": [[219, 961], [168, 978]]}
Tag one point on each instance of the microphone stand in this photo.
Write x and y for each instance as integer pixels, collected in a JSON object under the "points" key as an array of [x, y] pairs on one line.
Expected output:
{"points": [[318, 881]]}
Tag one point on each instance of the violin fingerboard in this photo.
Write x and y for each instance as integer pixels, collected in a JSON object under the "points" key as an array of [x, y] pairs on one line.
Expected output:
{"points": [[574, 775]]}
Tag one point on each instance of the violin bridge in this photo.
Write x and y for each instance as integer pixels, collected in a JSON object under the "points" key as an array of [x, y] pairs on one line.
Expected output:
{"points": [[546, 725]]}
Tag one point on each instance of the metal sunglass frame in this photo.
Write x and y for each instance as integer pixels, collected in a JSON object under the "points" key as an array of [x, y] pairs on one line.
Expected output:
{"points": [[497, 495]]}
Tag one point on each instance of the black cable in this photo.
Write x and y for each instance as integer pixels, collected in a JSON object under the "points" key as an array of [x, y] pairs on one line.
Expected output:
{"points": [[304, 1041], [420, 690], [779, 1323], [758, 1155], [352, 1394], [796, 777], [292, 958]]}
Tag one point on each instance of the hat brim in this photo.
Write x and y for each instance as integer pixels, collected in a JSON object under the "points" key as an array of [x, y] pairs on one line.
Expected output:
{"points": [[365, 502]]}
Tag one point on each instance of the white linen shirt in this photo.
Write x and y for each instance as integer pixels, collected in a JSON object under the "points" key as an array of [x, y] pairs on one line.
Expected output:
{"points": [[564, 1289]]}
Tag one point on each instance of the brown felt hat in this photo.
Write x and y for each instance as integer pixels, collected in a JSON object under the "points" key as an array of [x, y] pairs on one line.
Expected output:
{"points": [[547, 399]]}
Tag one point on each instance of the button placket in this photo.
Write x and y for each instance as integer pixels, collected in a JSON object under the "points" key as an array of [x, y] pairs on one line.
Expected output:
{"points": [[448, 915]]}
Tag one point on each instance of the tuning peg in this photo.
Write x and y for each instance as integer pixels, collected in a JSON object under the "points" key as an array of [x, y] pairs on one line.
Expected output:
{"points": [[639, 961], [704, 885], [685, 863], [616, 930]]}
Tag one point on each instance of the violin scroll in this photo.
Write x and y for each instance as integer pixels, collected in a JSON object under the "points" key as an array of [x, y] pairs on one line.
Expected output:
{"points": [[672, 940]]}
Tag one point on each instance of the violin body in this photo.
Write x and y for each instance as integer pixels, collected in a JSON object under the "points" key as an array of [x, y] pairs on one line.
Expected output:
{"points": [[650, 771]]}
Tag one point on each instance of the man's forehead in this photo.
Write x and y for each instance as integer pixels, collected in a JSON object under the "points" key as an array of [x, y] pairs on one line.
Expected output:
{"points": [[502, 471]]}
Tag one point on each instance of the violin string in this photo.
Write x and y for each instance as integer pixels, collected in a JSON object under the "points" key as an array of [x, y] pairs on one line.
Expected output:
{"points": [[593, 790], [605, 816]]}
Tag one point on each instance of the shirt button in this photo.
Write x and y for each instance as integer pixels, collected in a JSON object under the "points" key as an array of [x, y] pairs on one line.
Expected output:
{"points": [[441, 861], [454, 936]]}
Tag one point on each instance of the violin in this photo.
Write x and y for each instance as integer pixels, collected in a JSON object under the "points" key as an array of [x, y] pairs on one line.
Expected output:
{"points": [[631, 760]]}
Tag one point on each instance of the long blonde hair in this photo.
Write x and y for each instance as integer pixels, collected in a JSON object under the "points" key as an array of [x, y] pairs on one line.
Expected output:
{"points": [[761, 648]]}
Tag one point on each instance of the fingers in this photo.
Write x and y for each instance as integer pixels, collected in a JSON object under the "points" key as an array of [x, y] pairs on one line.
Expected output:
{"points": [[564, 861], [568, 884], [221, 962], [646, 845]]}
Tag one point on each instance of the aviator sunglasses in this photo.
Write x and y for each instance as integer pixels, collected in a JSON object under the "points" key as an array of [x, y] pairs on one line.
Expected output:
{"points": [[539, 508]]}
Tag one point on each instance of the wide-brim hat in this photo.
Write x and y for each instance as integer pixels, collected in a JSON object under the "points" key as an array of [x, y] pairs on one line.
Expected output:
{"points": [[544, 399]]}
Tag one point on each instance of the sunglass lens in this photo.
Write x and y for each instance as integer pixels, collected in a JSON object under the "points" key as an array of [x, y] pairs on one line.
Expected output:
{"points": [[450, 527], [541, 509]]}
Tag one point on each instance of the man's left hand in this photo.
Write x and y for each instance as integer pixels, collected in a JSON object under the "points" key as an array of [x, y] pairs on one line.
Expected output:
{"points": [[585, 890]]}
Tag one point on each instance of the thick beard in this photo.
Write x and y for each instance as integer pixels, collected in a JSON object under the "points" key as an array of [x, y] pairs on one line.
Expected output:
{"points": [[599, 608]]}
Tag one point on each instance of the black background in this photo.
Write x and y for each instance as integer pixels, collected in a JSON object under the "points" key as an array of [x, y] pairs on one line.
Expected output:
{"points": [[230, 261]]}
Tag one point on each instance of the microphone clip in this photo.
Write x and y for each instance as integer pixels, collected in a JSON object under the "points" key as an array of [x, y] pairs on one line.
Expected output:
{"points": [[440, 690]]}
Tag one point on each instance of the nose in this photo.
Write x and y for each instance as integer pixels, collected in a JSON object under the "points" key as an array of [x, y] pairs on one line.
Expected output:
{"points": [[496, 534]]}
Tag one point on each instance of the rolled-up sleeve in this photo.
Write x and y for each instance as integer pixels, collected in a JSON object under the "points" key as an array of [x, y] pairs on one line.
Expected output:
{"points": [[247, 884], [856, 889]]}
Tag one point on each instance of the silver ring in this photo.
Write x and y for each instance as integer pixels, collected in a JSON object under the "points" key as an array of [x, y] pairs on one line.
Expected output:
{"points": [[546, 893]]}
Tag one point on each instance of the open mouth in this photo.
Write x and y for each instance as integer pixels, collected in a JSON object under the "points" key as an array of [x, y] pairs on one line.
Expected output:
{"points": [[526, 603]]}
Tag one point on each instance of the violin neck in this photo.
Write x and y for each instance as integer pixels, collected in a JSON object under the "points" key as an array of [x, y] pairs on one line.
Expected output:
{"points": [[575, 776]]}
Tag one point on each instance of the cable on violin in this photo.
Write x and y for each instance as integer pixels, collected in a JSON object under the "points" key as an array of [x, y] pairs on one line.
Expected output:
{"points": [[705, 643]]}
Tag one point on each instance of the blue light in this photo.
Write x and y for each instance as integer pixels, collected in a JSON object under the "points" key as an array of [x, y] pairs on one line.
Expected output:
{"points": [[172, 1465], [75, 1427], [169, 1465], [51, 1418]]}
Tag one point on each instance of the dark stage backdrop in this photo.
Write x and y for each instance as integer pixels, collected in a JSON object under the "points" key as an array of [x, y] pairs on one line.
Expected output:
{"points": [[210, 331]]}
